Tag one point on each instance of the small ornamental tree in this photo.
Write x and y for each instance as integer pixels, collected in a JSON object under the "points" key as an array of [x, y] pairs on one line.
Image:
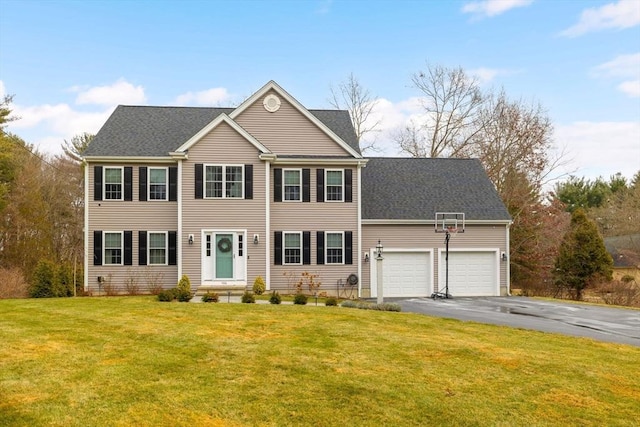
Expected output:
{"points": [[582, 258]]}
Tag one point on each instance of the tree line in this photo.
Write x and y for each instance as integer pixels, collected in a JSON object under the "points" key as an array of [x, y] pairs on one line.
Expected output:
{"points": [[513, 140]]}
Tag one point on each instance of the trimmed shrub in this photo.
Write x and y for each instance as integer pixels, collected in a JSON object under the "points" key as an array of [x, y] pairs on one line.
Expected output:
{"points": [[166, 296], [183, 296], [331, 302], [300, 299], [184, 284], [363, 305], [248, 298], [259, 286], [275, 298], [210, 297]]}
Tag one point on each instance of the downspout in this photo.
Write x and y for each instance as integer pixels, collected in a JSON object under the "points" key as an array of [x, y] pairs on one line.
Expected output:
{"points": [[179, 242], [267, 225], [86, 225], [508, 266], [359, 186]]}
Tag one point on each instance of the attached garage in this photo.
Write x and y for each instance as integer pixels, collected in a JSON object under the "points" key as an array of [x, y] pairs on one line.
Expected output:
{"points": [[471, 273], [406, 273]]}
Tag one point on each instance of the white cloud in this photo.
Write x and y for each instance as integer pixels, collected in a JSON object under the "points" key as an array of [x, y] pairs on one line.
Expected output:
{"points": [[210, 97], [489, 8], [2, 90], [601, 148], [620, 15], [630, 88], [324, 7], [487, 75], [625, 67], [120, 92], [48, 125], [620, 66]]}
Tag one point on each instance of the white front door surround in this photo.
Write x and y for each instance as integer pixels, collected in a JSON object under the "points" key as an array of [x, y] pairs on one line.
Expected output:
{"points": [[224, 257]]}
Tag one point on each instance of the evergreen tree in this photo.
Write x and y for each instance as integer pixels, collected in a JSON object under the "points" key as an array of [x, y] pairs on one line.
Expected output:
{"points": [[582, 258]]}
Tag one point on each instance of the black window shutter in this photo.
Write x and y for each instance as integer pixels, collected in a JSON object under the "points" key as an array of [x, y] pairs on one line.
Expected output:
{"points": [[128, 183], [306, 185], [320, 185], [248, 181], [277, 248], [348, 247], [173, 248], [320, 244], [277, 185], [142, 188], [97, 184], [173, 184], [348, 185], [128, 248], [198, 183], [142, 248], [97, 246], [306, 247]]}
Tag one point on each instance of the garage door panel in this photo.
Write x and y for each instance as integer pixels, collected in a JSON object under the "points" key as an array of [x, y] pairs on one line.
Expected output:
{"points": [[406, 274], [471, 273]]}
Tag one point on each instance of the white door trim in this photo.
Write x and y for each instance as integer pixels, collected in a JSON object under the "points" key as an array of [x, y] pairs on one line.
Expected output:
{"points": [[373, 272], [441, 265], [240, 262]]}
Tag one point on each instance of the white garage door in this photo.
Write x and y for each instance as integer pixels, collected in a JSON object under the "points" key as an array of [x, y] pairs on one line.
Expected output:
{"points": [[406, 274], [471, 274]]}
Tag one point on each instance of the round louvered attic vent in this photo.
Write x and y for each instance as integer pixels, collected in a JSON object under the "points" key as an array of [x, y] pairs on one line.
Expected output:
{"points": [[271, 103]]}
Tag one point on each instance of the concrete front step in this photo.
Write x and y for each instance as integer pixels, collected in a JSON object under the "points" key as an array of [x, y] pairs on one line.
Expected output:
{"points": [[222, 289]]}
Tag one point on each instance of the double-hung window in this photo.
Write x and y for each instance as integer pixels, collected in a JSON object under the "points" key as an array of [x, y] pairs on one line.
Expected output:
{"points": [[157, 183], [157, 248], [224, 181], [292, 248], [112, 183], [335, 248], [113, 248], [292, 184], [334, 185]]}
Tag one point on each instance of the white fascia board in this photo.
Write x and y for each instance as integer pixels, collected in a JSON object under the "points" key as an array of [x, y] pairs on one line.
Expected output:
{"points": [[213, 124], [272, 85], [431, 222], [128, 159], [316, 161]]}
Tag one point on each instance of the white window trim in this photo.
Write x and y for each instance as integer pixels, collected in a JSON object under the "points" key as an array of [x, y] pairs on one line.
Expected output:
{"points": [[104, 183], [104, 247], [326, 247], [284, 185], [166, 247], [166, 184], [284, 247], [224, 181], [326, 185]]}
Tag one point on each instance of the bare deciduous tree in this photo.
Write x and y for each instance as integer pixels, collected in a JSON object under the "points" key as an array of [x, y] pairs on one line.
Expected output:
{"points": [[74, 148], [451, 101], [350, 95]]}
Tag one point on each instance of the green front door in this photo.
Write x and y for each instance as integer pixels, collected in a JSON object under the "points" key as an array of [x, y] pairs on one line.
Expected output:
{"points": [[224, 256]]}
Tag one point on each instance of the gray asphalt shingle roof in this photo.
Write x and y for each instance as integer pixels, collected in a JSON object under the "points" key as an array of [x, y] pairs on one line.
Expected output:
{"points": [[417, 188], [143, 131]]}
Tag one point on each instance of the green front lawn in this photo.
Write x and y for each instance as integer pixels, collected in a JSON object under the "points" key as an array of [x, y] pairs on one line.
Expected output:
{"points": [[135, 361]]}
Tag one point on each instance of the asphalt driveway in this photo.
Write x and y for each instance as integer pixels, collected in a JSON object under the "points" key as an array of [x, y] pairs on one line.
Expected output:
{"points": [[617, 325]]}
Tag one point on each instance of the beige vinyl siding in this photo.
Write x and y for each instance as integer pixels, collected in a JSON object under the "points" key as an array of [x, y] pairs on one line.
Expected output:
{"points": [[111, 215], [223, 145], [315, 216], [287, 131], [400, 236]]}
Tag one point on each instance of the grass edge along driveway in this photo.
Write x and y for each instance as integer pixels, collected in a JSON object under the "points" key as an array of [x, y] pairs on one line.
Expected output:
{"points": [[135, 361]]}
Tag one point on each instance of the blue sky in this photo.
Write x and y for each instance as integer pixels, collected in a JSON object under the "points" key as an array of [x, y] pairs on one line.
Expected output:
{"points": [[69, 63]]}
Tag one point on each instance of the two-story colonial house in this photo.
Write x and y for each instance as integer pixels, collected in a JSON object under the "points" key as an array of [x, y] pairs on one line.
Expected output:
{"points": [[273, 189]]}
